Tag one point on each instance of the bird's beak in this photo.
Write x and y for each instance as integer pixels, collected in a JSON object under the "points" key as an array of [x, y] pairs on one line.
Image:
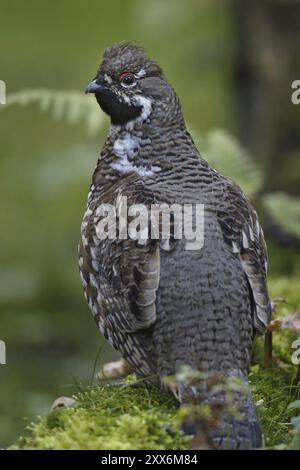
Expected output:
{"points": [[93, 87]]}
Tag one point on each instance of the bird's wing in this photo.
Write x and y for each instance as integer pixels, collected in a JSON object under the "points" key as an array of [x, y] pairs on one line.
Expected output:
{"points": [[127, 271], [242, 231], [138, 264], [140, 281]]}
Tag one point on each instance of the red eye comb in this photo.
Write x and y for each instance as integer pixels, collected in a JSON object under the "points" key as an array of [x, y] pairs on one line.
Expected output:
{"points": [[125, 74]]}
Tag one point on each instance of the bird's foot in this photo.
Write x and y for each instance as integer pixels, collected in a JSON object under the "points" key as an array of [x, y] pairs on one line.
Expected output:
{"points": [[114, 370]]}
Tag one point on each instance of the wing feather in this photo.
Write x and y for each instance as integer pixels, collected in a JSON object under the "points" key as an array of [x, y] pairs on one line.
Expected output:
{"points": [[242, 232]]}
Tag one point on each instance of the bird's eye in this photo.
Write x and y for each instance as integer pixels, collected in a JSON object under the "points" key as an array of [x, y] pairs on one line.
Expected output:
{"points": [[127, 79]]}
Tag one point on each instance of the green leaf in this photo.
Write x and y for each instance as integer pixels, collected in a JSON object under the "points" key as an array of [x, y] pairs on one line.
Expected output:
{"points": [[285, 210], [294, 405]]}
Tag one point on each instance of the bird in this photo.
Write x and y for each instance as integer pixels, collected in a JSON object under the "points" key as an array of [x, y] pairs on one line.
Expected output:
{"points": [[160, 305]]}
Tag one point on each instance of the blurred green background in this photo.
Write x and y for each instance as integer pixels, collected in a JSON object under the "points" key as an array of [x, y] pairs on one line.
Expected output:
{"points": [[232, 63]]}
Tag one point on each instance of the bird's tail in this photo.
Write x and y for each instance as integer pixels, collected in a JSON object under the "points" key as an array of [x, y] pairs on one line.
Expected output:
{"points": [[219, 412]]}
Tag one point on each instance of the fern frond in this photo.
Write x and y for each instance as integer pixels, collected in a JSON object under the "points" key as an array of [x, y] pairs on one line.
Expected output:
{"points": [[285, 210], [226, 155], [71, 106]]}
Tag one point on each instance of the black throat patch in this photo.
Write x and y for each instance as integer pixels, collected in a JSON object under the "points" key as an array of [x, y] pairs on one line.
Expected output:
{"points": [[119, 111]]}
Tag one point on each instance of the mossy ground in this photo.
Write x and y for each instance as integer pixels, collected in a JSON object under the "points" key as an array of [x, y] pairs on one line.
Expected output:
{"points": [[132, 417], [119, 417]]}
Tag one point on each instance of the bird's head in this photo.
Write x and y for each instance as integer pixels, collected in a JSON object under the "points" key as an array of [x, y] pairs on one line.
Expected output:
{"points": [[131, 87]]}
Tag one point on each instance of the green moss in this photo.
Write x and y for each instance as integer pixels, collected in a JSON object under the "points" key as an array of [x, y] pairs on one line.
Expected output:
{"points": [[110, 417], [273, 390], [128, 416]]}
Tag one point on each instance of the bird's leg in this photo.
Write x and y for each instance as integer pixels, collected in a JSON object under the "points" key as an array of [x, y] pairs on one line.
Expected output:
{"points": [[269, 333], [268, 348], [114, 370]]}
